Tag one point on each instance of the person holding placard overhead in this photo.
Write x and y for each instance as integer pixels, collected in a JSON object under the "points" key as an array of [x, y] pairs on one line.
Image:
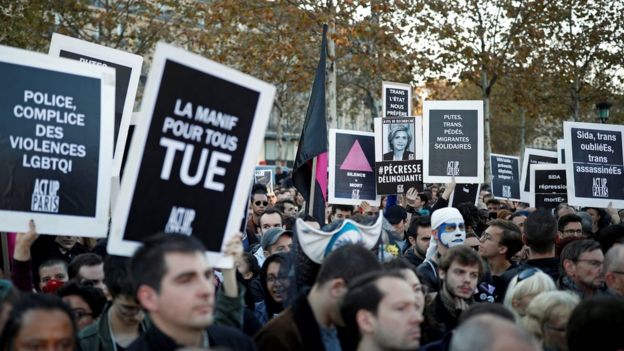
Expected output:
{"points": [[399, 139]]}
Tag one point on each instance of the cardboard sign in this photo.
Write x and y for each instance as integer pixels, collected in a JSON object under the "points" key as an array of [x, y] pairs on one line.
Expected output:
{"points": [[128, 70], [465, 193], [505, 177], [532, 157], [56, 137], [595, 164], [548, 185], [560, 151], [192, 155], [397, 99], [351, 172], [453, 141], [265, 177]]}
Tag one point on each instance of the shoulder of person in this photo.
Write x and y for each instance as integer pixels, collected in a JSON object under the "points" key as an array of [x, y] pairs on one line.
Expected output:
{"points": [[227, 336]]}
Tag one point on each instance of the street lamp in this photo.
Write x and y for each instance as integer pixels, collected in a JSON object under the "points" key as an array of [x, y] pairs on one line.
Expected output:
{"points": [[603, 111]]}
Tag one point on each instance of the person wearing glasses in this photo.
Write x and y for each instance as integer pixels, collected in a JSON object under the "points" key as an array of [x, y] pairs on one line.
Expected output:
{"points": [[614, 270], [570, 228], [259, 202], [581, 268]]}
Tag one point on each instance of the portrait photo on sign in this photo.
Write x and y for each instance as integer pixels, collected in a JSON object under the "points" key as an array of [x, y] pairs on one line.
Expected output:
{"points": [[398, 141]]}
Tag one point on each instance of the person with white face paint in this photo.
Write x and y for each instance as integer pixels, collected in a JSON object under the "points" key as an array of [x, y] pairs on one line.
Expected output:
{"points": [[448, 230]]}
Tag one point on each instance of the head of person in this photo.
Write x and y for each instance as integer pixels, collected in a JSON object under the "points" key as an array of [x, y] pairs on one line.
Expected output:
{"points": [[288, 207], [493, 205], [174, 282], [397, 217], [382, 309], [486, 308], [52, 274], [528, 283], [299, 199], [339, 212], [488, 332], [399, 138], [501, 239], [460, 270], [540, 231], [434, 189], [611, 235], [586, 221], [86, 302], [9, 295], [470, 214], [271, 218], [547, 318], [247, 266], [88, 269], [65, 243], [276, 240], [570, 226], [564, 209], [275, 282], [419, 234], [519, 218], [597, 323], [125, 308], [447, 228], [259, 199], [408, 272], [337, 271], [39, 322], [614, 269], [582, 261], [472, 241]]}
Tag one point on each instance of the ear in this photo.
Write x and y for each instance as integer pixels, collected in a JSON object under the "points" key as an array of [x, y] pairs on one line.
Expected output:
{"points": [[412, 240], [248, 275], [441, 273], [148, 298], [559, 235], [337, 288], [524, 239], [569, 267], [434, 234], [365, 321], [502, 250], [515, 304], [266, 254]]}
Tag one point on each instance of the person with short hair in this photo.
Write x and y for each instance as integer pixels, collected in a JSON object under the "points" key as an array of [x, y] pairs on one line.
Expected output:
{"points": [[382, 310], [547, 317], [313, 321], [276, 240], [258, 202], [88, 268], [339, 212], [460, 269], [393, 232], [174, 284], [597, 324], [570, 225], [581, 268], [493, 205], [52, 275], [272, 218], [492, 333], [614, 270], [419, 236], [288, 207], [86, 302], [528, 283], [39, 322]]}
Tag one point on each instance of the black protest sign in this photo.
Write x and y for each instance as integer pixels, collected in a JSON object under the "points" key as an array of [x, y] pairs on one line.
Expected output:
{"points": [[596, 162], [351, 172], [548, 185], [465, 193], [396, 98], [127, 67], [54, 136], [453, 141], [192, 154], [533, 157], [396, 177], [505, 177]]}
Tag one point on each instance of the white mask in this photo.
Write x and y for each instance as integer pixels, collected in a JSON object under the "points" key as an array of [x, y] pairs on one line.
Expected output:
{"points": [[452, 233]]}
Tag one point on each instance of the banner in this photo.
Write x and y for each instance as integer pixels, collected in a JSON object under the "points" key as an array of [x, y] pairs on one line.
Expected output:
{"points": [[560, 151], [453, 141], [127, 67], [351, 173], [548, 185], [193, 153], [396, 99], [532, 157], [595, 164], [56, 137], [465, 193], [505, 177]]}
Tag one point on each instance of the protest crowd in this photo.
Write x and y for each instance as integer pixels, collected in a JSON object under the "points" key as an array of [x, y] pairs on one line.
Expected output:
{"points": [[396, 240]]}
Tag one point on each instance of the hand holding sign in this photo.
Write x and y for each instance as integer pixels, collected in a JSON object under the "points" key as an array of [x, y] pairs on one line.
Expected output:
{"points": [[410, 197]]}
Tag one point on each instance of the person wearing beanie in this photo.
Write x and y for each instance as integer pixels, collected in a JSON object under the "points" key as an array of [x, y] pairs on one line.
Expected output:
{"points": [[393, 241], [448, 230]]}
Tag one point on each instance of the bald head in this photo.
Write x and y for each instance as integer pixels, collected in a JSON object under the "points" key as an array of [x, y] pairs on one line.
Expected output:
{"points": [[614, 269], [491, 333]]}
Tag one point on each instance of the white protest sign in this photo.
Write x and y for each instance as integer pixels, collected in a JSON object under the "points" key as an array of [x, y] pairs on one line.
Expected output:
{"points": [[533, 156]]}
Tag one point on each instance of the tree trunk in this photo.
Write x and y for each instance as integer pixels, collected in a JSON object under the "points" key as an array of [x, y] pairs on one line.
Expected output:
{"points": [[522, 132], [576, 100], [331, 67], [486, 121]]}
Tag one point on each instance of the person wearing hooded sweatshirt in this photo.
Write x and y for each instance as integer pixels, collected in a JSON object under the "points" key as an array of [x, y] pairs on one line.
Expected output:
{"points": [[275, 286]]}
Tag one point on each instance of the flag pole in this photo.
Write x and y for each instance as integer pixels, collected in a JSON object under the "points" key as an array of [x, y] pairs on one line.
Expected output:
{"points": [[312, 188]]}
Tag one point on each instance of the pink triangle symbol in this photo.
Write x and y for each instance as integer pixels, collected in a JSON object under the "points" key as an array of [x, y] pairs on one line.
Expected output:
{"points": [[356, 160]]}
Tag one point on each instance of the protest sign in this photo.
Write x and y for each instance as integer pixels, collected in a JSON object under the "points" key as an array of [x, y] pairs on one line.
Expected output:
{"points": [[465, 193], [192, 156], [396, 99], [127, 67], [594, 154], [265, 177], [351, 173], [531, 157], [505, 177], [560, 151], [56, 137], [397, 151], [453, 141], [548, 185]]}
